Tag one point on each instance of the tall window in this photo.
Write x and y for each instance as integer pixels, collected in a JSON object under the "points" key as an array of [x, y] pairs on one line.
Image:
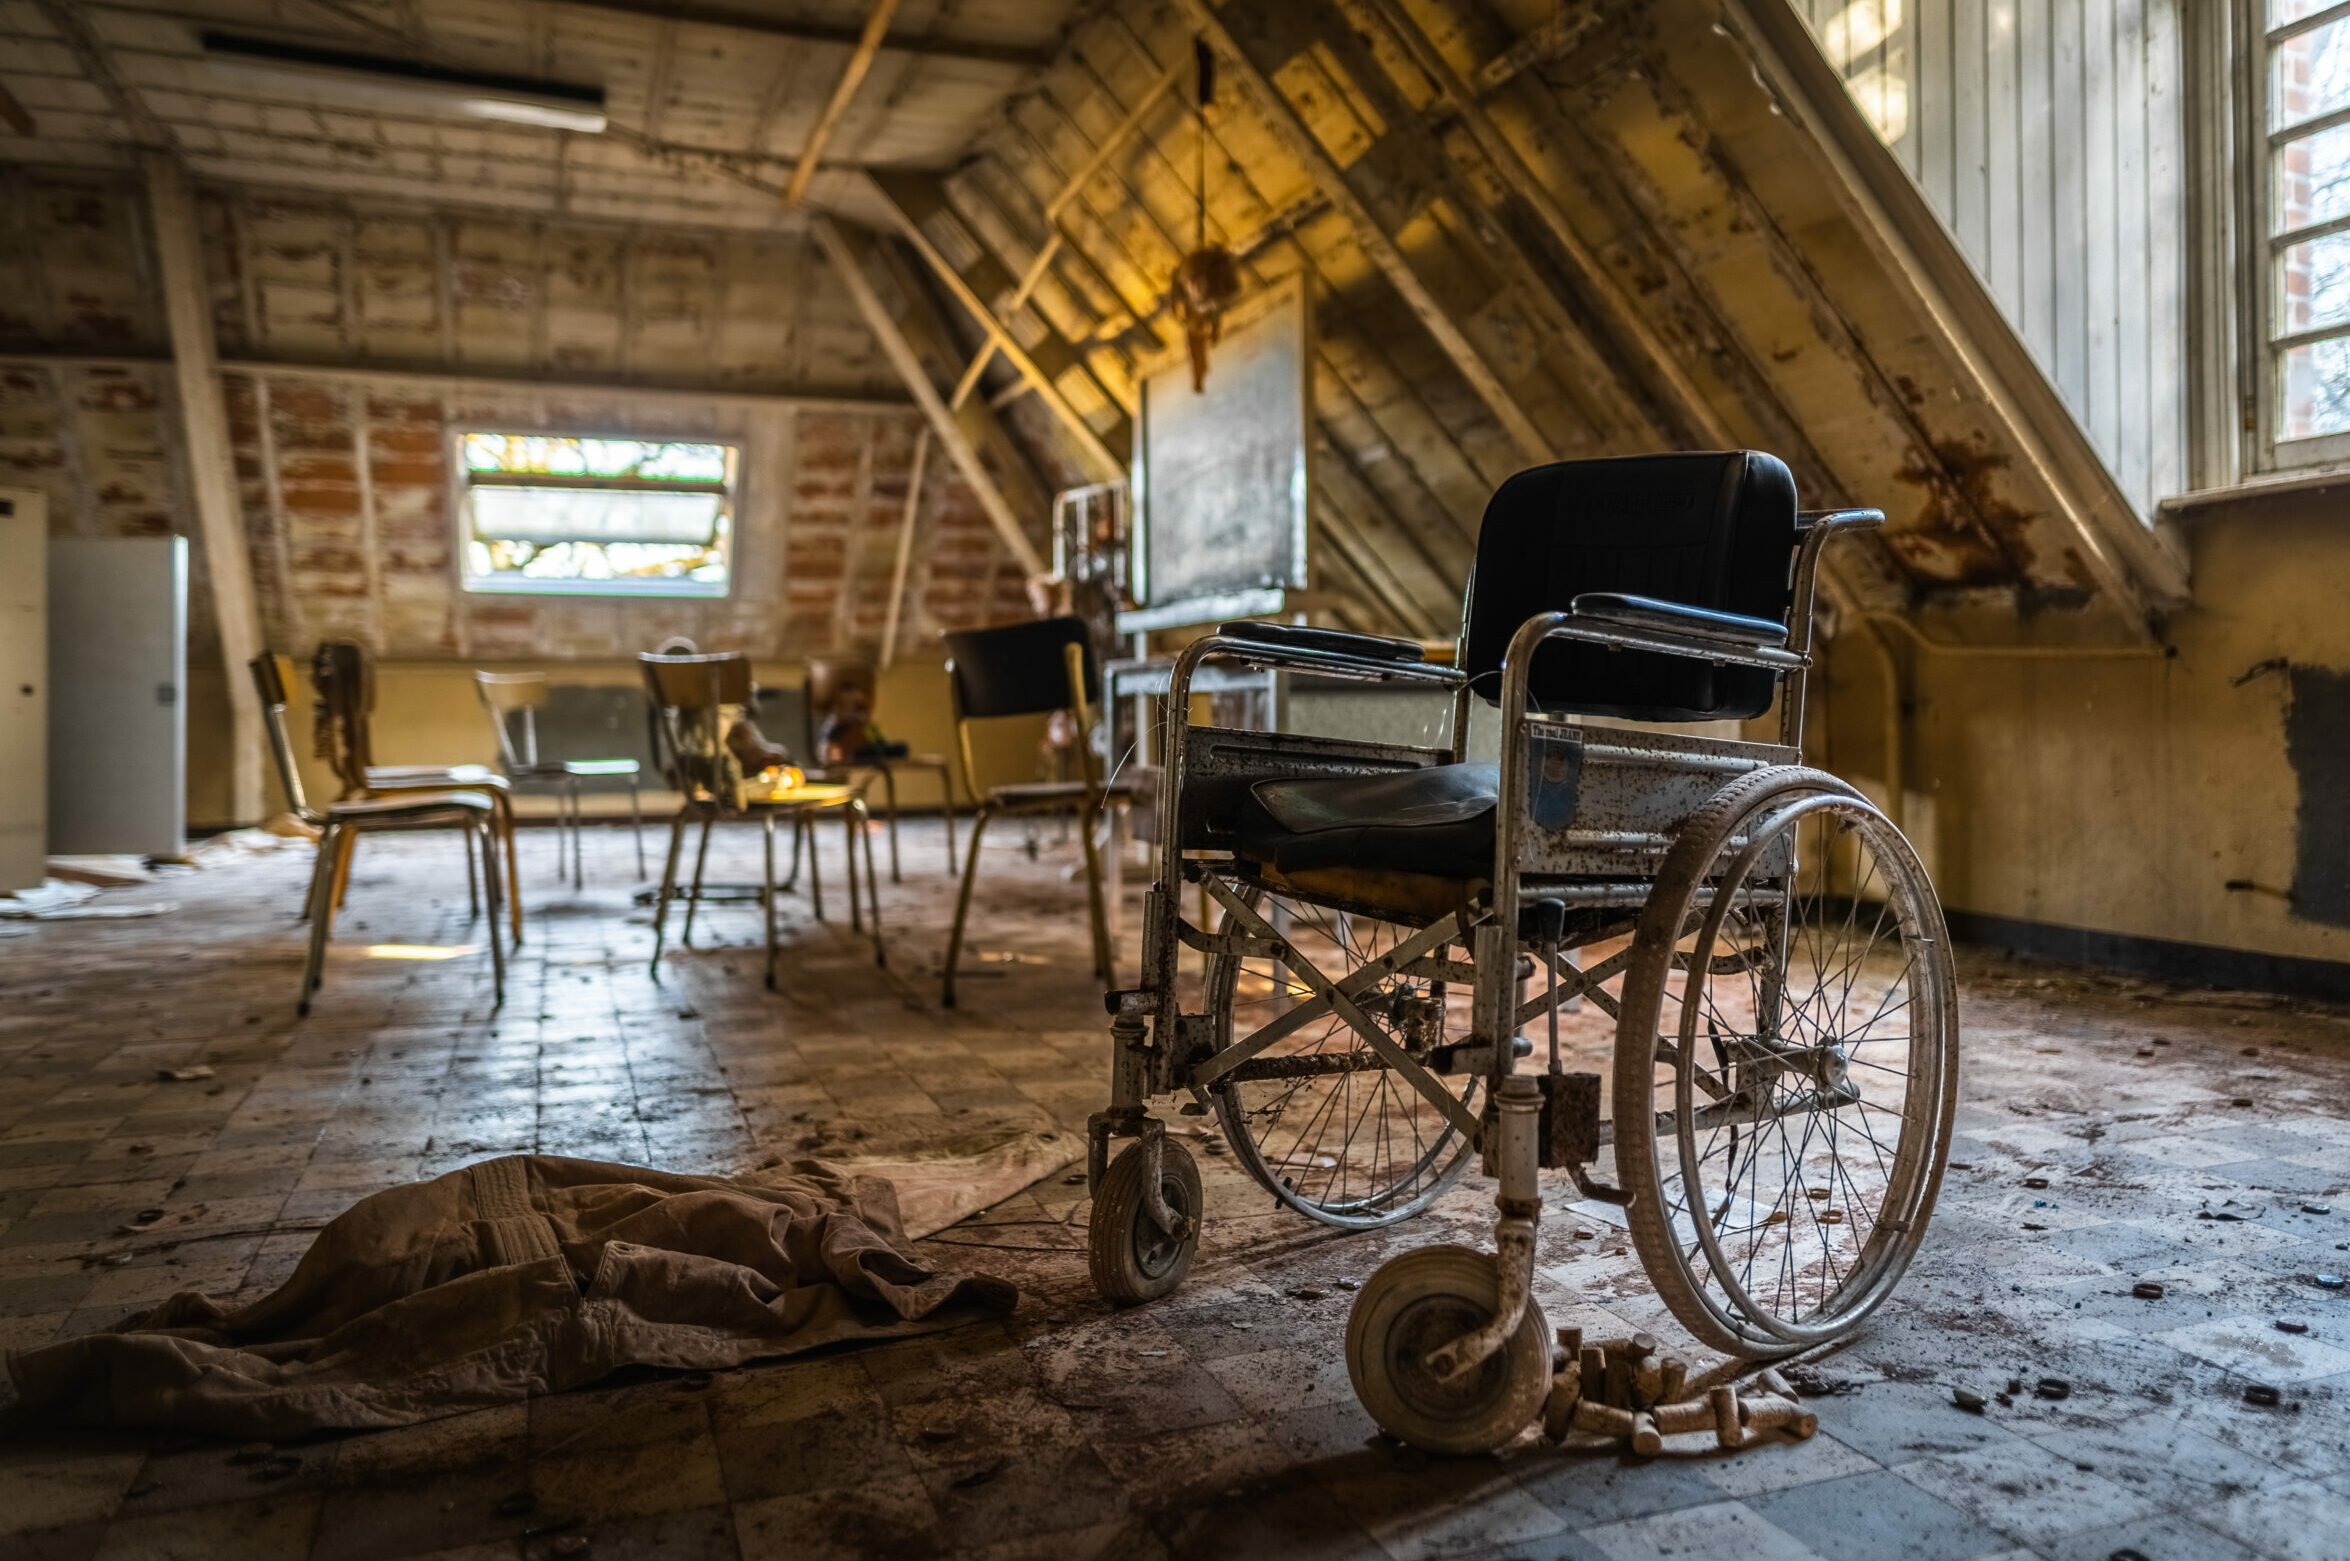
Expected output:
{"points": [[600, 517], [2304, 92]]}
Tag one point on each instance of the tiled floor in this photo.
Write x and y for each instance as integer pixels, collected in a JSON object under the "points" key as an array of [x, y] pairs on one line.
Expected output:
{"points": [[1218, 1422]]}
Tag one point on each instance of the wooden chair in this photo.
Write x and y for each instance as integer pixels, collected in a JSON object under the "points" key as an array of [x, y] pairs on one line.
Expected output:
{"points": [[472, 813], [695, 698], [1029, 669], [343, 676], [506, 695], [827, 680]]}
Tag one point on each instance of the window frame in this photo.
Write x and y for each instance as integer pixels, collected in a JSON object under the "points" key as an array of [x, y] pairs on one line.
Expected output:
{"points": [[462, 481], [2264, 251]]}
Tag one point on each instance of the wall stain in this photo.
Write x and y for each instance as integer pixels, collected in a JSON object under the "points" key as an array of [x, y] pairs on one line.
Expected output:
{"points": [[2317, 744]]}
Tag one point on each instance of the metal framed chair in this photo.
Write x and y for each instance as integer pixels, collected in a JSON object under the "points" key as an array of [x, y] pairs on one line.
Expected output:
{"points": [[694, 699], [472, 813], [343, 675], [507, 695], [827, 680], [1029, 669]]}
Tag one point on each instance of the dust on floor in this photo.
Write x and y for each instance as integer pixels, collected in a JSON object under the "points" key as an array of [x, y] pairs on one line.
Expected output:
{"points": [[2195, 1141]]}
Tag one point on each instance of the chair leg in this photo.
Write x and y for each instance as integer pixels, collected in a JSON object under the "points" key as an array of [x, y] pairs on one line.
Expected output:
{"points": [[1102, 966], [799, 835], [685, 938], [815, 868], [578, 855], [636, 825], [873, 899], [668, 882], [502, 806], [322, 909], [851, 826], [767, 893], [472, 884], [343, 867], [889, 794], [487, 833], [946, 805], [963, 901]]}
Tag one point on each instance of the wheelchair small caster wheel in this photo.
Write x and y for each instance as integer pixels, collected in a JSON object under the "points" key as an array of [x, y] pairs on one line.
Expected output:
{"points": [[1421, 1301], [1132, 1258]]}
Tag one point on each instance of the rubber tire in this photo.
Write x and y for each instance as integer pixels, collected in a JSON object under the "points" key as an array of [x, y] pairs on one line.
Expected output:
{"points": [[1119, 1239], [1394, 1322], [1694, 848]]}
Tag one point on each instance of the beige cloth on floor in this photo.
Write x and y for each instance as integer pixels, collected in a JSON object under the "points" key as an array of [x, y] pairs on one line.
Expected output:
{"points": [[511, 1278]]}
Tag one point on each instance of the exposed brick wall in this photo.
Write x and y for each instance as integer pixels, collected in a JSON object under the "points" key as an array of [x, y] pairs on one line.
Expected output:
{"points": [[346, 485]]}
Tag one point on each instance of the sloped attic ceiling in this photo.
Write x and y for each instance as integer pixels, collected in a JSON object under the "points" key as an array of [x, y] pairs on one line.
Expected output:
{"points": [[1539, 232]]}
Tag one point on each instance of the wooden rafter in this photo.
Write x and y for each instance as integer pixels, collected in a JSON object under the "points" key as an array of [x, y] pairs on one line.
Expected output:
{"points": [[904, 563], [1299, 141], [852, 76]]}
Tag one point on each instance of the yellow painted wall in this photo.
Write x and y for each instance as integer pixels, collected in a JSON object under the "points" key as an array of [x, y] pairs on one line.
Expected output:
{"points": [[2124, 795], [427, 713]]}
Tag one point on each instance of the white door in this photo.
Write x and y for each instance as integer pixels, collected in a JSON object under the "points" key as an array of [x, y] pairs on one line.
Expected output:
{"points": [[24, 689], [118, 637]]}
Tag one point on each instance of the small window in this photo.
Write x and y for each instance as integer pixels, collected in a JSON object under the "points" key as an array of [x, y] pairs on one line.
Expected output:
{"points": [[597, 517], [2306, 192]]}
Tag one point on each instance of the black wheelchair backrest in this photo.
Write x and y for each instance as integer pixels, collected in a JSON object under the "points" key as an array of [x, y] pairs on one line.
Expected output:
{"points": [[1708, 529], [1019, 668]]}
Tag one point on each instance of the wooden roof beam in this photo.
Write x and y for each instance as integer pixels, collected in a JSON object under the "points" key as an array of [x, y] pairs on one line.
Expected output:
{"points": [[844, 91], [1377, 244]]}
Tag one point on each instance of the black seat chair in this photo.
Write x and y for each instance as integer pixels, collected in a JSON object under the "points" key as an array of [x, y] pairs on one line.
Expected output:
{"points": [[1028, 669]]}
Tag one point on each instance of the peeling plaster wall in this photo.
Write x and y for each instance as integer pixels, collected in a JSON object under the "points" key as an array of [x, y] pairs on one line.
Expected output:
{"points": [[2127, 795]]}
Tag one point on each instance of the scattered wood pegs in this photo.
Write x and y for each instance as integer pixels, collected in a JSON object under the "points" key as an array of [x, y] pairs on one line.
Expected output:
{"points": [[1558, 1411], [1603, 1419], [1729, 1426], [1647, 1441], [1771, 1413]]}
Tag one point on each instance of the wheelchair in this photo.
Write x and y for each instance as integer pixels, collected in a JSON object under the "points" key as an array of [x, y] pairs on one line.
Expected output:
{"points": [[1390, 920]]}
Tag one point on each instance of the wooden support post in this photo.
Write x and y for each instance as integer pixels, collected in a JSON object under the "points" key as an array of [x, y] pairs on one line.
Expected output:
{"points": [[902, 356], [1377, 244], [220, 512], [852, 77], [915, 197], [905, 559]]}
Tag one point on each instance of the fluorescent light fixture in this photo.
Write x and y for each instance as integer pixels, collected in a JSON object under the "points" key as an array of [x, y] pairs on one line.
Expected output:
{"points": [[419, 950], [374, 81]]}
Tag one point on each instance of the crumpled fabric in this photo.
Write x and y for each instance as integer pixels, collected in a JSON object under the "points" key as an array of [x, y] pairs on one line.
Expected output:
{"points": [[511, 1278]]}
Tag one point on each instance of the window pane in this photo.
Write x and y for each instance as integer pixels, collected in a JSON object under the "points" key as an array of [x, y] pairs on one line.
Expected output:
{"points": [[2316, 390], [2313, 285], [2282, 11], [2312, 180], [596, 457], [593, 515], [2310, 75]]}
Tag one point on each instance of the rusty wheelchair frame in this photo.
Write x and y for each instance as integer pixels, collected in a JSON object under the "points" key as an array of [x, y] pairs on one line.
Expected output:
{"points": [[1393, 918]]}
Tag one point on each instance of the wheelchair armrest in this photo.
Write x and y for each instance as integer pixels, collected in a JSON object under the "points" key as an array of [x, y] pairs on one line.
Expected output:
{"points": [[1337, 642], [1826, 520], [1651, 614]]}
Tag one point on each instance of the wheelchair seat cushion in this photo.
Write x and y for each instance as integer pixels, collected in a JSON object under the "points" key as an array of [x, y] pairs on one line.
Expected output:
{"points": [[1437, 821]]}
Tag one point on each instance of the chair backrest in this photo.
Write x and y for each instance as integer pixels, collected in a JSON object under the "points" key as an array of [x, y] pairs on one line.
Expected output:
{"points": [[343, 679], [1020, 668], [688, 694], [827, 681], [273, 675], [1706, 529], [504, 693]]}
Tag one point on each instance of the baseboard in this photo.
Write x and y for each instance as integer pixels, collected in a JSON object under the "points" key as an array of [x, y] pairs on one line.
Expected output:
{"points": [[2199, 964]]}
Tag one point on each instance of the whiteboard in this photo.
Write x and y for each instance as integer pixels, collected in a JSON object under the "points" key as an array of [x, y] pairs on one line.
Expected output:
{"points": [[1221, 477]]}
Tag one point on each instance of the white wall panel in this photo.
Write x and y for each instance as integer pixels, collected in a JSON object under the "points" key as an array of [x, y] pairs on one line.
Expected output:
{"points": [[2047, 134]]}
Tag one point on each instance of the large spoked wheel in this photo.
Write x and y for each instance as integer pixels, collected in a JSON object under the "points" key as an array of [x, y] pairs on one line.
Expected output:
{"points": [[1786, 1064], [1422, 1301], [1327, 1127], [1132, 1258]]}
